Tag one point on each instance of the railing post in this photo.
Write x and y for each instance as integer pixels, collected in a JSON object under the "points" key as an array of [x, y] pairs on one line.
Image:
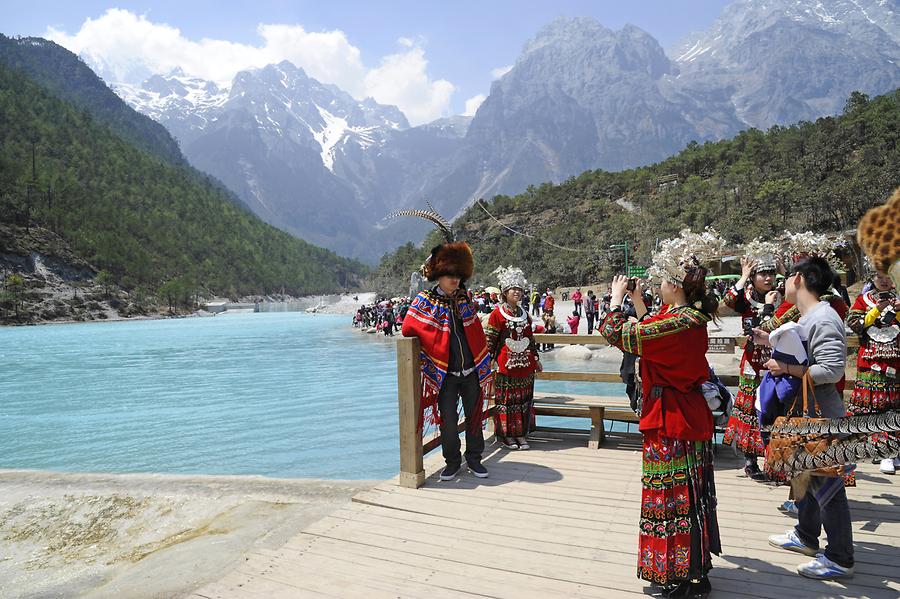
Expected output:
{"points": [[409, 396]]}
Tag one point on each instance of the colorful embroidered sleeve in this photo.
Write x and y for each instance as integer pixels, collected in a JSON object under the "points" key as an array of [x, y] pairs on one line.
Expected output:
{"points": [[785, 313], [492, 332], [735, 299], [638, 337], [837, 303], [858, 316]]}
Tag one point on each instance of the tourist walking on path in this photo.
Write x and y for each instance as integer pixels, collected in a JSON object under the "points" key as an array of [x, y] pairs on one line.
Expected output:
{"points": [[678, 526], [590, 311], [511, 344], [873, 318], [389, 320], [576, 298], [549, 303], [455, 360], [535, 302], [753, 297], [824, 503]]}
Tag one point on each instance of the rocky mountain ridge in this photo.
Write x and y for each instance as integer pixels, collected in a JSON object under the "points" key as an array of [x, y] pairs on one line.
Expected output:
{"points": [[316, 162]]}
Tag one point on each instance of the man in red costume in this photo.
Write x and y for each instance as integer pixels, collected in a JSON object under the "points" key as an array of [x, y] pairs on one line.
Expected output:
{"points": [[455, 360]]}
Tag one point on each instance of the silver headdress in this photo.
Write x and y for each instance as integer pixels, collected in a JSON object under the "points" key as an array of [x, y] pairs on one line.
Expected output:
{"points": [[683, 258], [764, 253], [798, 246], [509, 277]]}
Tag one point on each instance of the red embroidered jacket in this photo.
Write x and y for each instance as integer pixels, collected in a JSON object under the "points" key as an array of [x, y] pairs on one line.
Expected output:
{"points": [[672, 346], [885, 353], [498, 330]]}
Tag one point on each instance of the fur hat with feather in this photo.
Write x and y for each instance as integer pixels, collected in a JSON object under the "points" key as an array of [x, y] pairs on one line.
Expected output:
{"points": [[452, 258]]}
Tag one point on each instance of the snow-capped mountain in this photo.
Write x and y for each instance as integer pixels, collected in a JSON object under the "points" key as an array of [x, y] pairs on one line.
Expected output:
{"points": [[281, 99], [184, 104], [297, 151], [311, 159], [779, 61]]}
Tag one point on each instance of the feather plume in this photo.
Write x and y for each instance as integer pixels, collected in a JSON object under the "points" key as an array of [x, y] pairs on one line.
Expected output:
{"points": [[431, 216]]}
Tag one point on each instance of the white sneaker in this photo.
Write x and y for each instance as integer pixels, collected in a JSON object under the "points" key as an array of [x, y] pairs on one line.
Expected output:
{"points": [[823, 568], [887, 466], [523, 443], [792, 542]]}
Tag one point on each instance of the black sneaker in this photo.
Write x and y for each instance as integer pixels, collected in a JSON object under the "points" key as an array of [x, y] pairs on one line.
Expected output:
{"points": [[450, 472], [478, 470]]}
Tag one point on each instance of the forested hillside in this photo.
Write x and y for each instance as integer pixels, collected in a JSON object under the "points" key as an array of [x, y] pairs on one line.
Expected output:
{"points": [[821, 176], [140, 217], [65, 75]]}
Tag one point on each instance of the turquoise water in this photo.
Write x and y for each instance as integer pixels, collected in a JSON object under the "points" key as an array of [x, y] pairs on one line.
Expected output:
{"points": [[274, 394]]}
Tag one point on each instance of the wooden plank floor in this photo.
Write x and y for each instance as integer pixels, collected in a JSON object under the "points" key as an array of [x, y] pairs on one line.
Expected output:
{"points": [[557, 521]]}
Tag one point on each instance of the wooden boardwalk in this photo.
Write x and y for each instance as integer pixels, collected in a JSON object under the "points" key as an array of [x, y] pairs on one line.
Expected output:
{"points": [[558, 521]]}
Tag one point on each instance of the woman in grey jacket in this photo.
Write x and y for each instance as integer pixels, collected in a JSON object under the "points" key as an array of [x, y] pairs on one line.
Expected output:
{"points": [[825, 503]]}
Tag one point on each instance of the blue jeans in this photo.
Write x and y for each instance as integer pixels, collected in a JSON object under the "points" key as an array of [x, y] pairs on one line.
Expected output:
{"points": [[833, 514]]}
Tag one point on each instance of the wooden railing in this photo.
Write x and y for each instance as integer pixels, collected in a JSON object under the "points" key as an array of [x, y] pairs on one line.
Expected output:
{"points": [[409, 394]]}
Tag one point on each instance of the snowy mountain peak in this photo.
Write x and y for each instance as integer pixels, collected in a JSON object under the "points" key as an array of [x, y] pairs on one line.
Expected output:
{"points": [[176, 100], [874, 19], [281, 101]]}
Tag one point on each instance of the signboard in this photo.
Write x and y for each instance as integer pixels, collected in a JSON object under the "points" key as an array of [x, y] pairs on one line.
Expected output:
{"points": [[721, 345], [637, 271]]}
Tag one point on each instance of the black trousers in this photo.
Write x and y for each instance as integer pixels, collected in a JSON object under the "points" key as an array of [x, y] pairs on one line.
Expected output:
{"points": [[469, 390], [590, 319]]}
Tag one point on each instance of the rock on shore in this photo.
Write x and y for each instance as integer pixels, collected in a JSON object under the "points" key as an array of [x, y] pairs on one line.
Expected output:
{"points": [[129, 536]]}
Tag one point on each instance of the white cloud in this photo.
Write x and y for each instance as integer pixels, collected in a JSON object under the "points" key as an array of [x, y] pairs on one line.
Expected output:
{"points": [[402, 79], [501, 71], [473, 103], [128, 47]]}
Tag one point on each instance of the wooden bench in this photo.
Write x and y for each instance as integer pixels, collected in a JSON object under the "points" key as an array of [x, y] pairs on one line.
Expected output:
{"points": [[596, 407]]}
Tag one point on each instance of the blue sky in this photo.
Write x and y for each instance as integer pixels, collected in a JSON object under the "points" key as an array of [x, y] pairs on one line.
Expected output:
{"points": [[447, 49]]}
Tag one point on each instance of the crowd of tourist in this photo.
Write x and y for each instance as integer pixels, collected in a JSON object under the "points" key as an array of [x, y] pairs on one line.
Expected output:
{"points": [[382, 315], [794, 313]]}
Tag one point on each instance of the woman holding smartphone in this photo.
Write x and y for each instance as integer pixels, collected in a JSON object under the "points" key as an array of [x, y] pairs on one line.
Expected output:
{"points": [[873, 318], [678, 525]]}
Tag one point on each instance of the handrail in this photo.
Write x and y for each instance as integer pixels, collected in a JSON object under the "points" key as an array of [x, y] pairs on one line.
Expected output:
{"points": [[564, 339], [409, 398], [409, 393]]}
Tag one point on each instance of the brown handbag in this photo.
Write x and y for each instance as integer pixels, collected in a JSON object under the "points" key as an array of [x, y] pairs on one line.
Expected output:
{"points": [[782, 447]]}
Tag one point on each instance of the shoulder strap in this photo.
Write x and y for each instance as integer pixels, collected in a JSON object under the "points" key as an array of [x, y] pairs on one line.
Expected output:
{"points": [[808, 385]]}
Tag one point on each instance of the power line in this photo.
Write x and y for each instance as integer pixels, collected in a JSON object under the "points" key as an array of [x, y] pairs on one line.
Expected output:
{"points": [[542, 240]]}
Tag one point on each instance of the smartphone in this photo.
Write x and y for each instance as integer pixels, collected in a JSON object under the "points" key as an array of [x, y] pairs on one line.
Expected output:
{"points": [[632, 284], [747, 324]]}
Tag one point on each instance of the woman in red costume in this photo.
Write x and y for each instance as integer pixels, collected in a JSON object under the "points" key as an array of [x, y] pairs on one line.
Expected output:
{"points": [[511, 343], [753, 297], [873, 318], [678, 526]]}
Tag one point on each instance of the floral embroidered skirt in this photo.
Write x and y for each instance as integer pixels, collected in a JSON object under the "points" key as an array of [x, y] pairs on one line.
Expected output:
{"points": [[514, 398], [743, 425], [678, 530], [874, 393]]}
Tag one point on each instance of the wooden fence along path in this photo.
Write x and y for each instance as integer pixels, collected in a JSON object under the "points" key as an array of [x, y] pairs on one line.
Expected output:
{"points": [[557, 521]]}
